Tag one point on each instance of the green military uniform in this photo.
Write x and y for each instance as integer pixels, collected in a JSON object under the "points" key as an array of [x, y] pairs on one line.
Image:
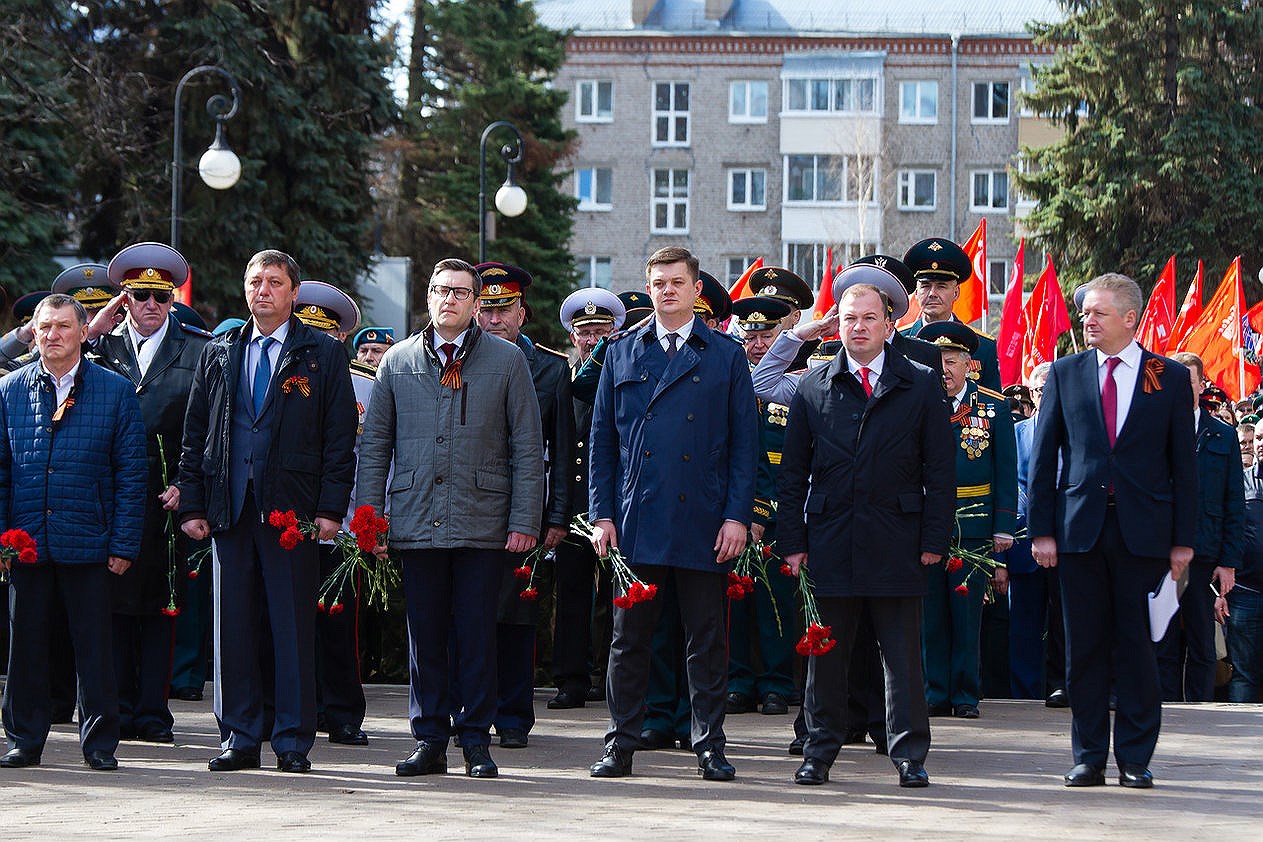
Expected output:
{"points": [[984, 364], [986, 478]]}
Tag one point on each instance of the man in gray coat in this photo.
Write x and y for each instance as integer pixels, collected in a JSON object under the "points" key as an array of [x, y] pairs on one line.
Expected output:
{"points": [[455, 409]]}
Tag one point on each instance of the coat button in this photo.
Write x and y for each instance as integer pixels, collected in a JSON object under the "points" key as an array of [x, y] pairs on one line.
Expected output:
{"points": [[648, 416], [644, 376], [578, 478], [696, 379], [50, 470], [579, 443], [685, 457], [438, 480], [436, 524], [681, 498], [648, 454], [855, 416], [439, 439], [689, 417], [579, 461], [48, 511]]}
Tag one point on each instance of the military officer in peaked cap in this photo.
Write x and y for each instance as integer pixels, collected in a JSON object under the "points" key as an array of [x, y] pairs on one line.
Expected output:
{"points": [[986, 517], [939, 267], [340, 704], [588, 315], [762, 622], [713, 303], [638, 308], [90, 284], [15, 346], [158, 354], [502, 313], [372, 343], [782, 284]]}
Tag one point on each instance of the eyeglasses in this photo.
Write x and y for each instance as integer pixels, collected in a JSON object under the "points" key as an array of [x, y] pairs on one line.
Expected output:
{"points": [[159, 295], [459, 293]]}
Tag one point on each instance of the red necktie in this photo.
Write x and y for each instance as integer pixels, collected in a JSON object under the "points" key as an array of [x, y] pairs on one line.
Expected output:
{"points": [[449, 353], [1109, 400], [868, 387]]}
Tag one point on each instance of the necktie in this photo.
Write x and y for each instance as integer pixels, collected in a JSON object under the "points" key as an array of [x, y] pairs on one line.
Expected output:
{"points": [[868, 387], [672, 338], [1109, 400], [449, 352], [262, 374]]}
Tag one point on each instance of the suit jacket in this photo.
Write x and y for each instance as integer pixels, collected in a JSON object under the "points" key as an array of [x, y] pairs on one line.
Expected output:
{"points": [[1221, 507], [868, 484], [674, 444], [1152, 466]]}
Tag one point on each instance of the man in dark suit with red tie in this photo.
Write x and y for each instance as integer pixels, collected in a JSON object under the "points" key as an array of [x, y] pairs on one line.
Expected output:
{"points": [[1114, 504]]}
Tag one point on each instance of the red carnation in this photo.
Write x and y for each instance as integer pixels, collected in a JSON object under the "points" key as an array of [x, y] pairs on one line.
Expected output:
{"points": [[381, 525], [27, 555], [532, 594], [786, 570], [336, 608], [736, 592], [290, 538], [767, 551], [171, 611], [650, 592], [283, 520], [623, 602], [320, 606], [955, 563], [803, 647], [824, 646], [962, 589], [192, 574], [523, 572]]}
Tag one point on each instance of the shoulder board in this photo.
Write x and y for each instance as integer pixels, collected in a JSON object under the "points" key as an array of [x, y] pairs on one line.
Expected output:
{"points": [[196, 331], [981, 333], [548, 350], [729, 337], [358, 367], [991, 393], [620, 334]]}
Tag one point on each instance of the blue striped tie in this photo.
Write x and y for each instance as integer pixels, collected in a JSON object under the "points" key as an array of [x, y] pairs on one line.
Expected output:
{"points": [[262, 374]]}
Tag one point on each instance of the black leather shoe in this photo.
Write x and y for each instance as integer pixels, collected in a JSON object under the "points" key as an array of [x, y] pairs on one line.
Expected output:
{"points": [[739, 703], [1057, 699], [965, 711], [187, 694], [513, 738], [941, 710], [292, 761], [156, 732], [685, 742], [1085, 775], [615, 763], [348, 735], [796, 746], [713, 766], [596, 693], [879, 744], [912, 774], [566, 700], [478, 762], [774, 704], [1135, 777], [651, 739], [812, 773], [19, 758], [428, 759], [100, 761], [233, 759], [854, 737]]}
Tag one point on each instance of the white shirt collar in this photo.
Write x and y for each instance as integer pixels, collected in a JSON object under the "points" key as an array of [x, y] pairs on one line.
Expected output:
{"points": [[875, 365], [154, 339], [439, 341], [683, 332], [1129, 356], [66, 379], [960, 396], [280, 334]]}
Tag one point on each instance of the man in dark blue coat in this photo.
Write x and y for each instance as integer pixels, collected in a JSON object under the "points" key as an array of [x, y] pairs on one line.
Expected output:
{"points": [[867, 489], [674, 441], [1113, 504], [72, 475]]}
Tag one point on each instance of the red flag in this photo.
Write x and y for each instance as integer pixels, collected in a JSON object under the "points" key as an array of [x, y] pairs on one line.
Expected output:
{"points": [[1189, 313], [824, 296], [1218, 338], [972, 303], [1046, 319], [184, 292], [914, 313], [741, 288], [1012, 323], [1155, 326]]}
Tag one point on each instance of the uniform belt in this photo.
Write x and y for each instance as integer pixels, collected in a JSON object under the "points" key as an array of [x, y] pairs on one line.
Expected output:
{"points": [[963, 491], [774, 457]]}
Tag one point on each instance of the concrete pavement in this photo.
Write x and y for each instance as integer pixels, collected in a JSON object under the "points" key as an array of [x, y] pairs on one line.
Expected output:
{"points": [[995, 777]]}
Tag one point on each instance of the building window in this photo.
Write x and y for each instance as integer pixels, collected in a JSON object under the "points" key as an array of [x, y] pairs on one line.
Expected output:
{"points": [[737, 267], [594, 101], [917, 189], [1025, 167], [594, 188], [991, 191], [844, 96], [594, 271], [918, 102], [830, 178], [807, 260], [671, 114], [670, 202], [997, 277], [747, 190], [991, 102], [747, 102]]}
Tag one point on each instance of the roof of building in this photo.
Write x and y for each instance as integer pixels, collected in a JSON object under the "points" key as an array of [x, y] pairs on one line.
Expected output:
{"points": [[860, 17]]}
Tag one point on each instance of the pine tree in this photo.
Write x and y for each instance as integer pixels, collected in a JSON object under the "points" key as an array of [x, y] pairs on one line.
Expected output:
{"points": [[1165, 157], [473, 63]]}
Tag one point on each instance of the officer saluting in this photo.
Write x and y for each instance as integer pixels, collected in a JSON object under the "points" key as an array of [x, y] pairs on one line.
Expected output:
{"points": [[986, 503]]}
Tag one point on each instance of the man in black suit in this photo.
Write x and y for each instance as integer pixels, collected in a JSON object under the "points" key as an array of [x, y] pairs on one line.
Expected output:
{"points": [[867, 491], [1113, 503]]}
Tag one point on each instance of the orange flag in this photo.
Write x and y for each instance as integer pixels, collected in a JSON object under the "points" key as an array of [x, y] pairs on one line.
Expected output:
{"points": [[972, 304], [1046, 319], [741, 288], [824, 296], [914, 313], [1012, 323], [1189, 313], [1219, 339], [1155, 325]]}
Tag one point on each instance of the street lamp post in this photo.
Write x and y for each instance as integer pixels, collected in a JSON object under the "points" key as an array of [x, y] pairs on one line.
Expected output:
{"points": [[510, 198], [219, 167]]}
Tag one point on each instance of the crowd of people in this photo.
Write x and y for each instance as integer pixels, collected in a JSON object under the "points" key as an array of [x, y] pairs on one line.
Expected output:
{"points": [[739, 509]]}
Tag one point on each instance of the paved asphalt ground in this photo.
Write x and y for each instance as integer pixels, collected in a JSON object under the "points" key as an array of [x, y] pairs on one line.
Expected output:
{"points": [[996, 777]]}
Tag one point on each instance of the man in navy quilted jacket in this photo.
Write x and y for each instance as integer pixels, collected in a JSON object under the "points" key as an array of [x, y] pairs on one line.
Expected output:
{"points": [[72, 475]]}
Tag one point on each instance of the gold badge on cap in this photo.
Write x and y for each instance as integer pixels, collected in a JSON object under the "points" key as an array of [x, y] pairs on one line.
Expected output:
{"points": [[313, 309], [770, 274], [756, 317], [493, 271], [769, 290], [88, 273], [935, 246], [494, 289]]}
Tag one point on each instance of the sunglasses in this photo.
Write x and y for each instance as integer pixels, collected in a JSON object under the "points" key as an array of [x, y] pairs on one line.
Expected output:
{"points": [[159, 295]]}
